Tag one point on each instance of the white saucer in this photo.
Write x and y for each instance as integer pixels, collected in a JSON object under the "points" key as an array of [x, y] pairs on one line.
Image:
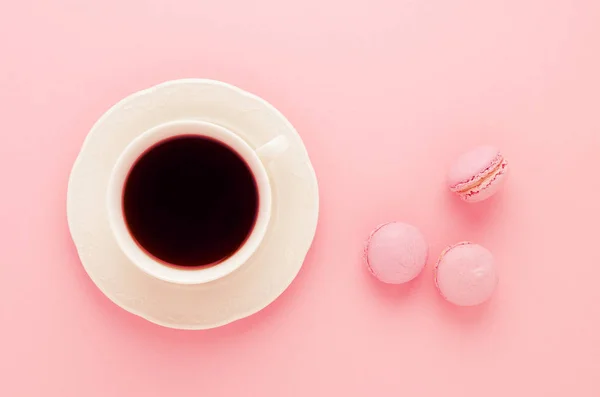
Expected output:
{"points": [[244, 292]]}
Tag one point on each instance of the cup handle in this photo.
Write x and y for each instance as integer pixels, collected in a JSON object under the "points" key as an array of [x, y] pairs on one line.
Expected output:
{"points": [[273, 149]]}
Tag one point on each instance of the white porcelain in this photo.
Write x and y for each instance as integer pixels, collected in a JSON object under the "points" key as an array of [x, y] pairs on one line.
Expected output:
{"points": [[252, 156], [262, 134]]}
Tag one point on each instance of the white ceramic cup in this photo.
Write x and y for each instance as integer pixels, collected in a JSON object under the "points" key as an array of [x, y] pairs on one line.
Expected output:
{"points": [[256, 158]]}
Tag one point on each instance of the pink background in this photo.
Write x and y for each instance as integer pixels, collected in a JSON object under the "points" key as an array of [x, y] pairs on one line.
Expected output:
{"points": [[385, 94]]}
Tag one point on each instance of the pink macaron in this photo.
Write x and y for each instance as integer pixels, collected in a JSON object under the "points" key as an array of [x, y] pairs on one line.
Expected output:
{"points": [[466, 274], [396, 252], [478, 174]]}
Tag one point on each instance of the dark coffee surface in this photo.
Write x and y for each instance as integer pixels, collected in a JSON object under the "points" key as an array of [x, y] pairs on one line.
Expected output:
{"points": [[190, 201]]}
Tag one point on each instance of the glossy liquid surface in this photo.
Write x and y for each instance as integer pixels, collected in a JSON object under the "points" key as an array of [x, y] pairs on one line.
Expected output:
{"points": [[190, 201]]}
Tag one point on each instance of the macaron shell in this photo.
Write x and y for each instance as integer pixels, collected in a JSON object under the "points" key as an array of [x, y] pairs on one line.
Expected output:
{"points": [[472, 165], [396, 253], [488, 186], [466, 274]]}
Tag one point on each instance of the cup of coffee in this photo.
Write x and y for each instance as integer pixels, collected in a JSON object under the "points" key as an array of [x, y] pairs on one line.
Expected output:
{"points": [[189, 201]]}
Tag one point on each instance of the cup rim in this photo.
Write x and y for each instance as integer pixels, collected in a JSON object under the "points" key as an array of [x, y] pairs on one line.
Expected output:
{"points": [[118, 177]]}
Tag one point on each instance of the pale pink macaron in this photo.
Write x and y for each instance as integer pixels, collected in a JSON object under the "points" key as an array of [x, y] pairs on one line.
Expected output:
{"points": [[396, 252], [466, 274], [478, 174]]}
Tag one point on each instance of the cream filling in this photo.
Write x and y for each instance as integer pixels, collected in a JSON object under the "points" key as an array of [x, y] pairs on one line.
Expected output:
{"points": [[489, 175]]}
